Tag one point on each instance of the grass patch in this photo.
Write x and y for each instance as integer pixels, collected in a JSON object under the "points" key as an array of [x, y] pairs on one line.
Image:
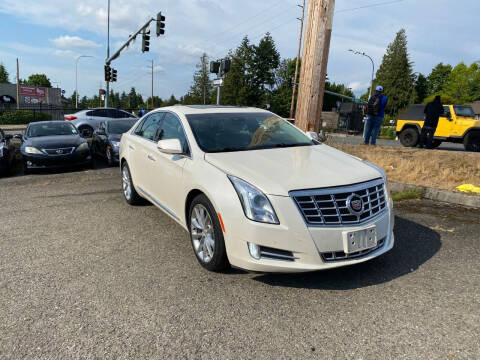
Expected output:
{"points": [[410, 194], [431, 168]]}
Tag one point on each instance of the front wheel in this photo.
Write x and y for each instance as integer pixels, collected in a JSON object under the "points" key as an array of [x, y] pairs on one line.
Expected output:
{"points": [[472, 141], [206, 235], [129, 192], [409, 137]]}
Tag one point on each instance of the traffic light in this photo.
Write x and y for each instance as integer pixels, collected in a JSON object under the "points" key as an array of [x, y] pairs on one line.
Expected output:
{"points": [[160, 24], [114, 75], [108, 73], [225, 66], [145, 40], [214, 67]]}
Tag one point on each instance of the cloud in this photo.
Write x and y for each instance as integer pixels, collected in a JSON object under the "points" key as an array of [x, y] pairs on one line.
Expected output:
{"points": [[65, 53], [74, 42]]}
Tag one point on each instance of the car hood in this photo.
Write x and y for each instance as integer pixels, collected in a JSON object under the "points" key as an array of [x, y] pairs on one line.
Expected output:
{"points": [[278, 171], [52, 142]]}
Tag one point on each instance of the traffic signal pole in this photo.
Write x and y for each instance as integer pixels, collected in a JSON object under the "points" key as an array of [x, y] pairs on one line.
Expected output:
{"points": [[108, 51]]}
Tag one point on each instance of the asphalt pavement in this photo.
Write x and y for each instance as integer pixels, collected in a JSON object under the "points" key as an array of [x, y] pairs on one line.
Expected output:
{"points": [[85, 276]]}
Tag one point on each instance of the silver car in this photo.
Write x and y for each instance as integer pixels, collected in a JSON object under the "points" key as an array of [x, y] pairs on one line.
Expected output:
{"points": [[86, 121]]}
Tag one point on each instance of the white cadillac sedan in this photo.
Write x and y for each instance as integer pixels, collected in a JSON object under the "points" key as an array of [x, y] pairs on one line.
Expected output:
{"points": [[254, 191]]}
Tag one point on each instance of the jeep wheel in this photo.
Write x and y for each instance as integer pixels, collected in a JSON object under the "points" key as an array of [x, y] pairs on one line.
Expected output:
{"points": [[409, 137], [472, 141]]}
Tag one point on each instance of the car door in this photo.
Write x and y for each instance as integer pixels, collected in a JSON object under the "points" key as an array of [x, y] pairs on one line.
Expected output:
{"points": [[166, 170], [140, 144], [97, 116], [445, 124]]}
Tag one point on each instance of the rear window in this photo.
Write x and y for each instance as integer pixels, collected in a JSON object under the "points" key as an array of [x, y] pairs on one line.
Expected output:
{"points": [[466, 111]]}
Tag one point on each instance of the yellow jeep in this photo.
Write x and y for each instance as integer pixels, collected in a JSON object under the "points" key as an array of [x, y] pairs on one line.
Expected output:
{"points": [[458, 125]]}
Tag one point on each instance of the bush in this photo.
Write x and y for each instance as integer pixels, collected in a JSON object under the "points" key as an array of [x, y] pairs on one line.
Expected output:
{"points": [[20, 117], [388, 132]]}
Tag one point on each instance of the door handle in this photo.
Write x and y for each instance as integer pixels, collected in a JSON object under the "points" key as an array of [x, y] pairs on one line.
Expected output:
{"points": [[131, 147], [150, 157]]}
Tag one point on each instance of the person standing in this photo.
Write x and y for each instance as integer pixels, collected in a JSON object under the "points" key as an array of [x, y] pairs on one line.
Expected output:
{"points": [[375, 113], [433, 111]]}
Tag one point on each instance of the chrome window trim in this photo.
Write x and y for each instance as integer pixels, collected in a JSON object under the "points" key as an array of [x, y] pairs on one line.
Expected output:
{"points": [[339, 190]]}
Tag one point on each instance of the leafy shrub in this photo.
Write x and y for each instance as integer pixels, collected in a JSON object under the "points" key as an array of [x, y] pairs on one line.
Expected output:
{"points": [[388, 132], [20, 117]]}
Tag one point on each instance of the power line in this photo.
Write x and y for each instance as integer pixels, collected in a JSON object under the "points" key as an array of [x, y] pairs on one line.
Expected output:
{"points": [[369, 6]]}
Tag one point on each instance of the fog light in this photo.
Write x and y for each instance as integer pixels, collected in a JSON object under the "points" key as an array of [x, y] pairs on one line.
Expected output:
{"points": [[254, 251], [29, 163]]}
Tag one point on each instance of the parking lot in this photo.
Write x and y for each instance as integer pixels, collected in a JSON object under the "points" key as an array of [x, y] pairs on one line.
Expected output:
{"points": [[84, 275]]}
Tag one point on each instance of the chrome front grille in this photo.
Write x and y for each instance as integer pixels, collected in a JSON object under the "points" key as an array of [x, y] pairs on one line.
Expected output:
{"points": [[59, 151], [340, 255], [332, 206]]}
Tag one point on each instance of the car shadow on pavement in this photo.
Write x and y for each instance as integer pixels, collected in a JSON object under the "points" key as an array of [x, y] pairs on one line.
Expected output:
{"points": [[414, 245]]}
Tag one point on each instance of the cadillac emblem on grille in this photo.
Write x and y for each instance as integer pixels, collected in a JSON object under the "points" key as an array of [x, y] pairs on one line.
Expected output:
{"points": [[355, 204]]}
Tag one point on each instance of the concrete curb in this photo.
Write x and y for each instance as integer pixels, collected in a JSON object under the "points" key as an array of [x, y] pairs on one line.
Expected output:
{"points": [[446, 196]]}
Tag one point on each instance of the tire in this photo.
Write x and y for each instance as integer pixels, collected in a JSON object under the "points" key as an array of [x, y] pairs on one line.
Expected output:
{"points": [[129, 193], [86, 127], [109, 157], [206, 235], [409, 137], [471, 142]]}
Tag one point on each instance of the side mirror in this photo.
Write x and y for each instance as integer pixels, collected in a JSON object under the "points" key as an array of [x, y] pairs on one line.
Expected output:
{"points": [[312, 135], [170, 146]]}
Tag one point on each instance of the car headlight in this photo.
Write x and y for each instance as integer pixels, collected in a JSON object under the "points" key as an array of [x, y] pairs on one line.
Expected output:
{"points": [[255, 204], [115, 143], [1, 150], [32, 150], [82, 146]]}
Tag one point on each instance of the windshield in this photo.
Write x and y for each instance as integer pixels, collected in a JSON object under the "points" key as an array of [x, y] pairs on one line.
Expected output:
{"points": [[466, 111], [225, 132], [49, 129], [120, 127]]}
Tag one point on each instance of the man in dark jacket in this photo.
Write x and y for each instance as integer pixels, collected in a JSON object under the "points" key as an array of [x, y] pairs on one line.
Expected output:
{"points": [[432, 111]]}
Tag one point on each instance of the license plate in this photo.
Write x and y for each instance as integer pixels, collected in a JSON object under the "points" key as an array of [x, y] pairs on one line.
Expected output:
{"points": [[358, 240]]}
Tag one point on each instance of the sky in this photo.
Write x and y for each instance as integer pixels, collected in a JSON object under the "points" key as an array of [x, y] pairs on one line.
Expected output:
{"points": [[48, 36]]}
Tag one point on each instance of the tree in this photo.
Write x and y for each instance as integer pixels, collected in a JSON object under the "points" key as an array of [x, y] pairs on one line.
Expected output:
{"points": [[463, 83], [266, 60], [171, 101], [202, 89], [3, 74], [437, 78], [38, 80], [421, 88], [281, 96], [395, 75]]}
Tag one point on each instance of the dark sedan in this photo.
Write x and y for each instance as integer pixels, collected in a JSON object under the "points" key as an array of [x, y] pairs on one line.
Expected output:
{"points": [[52, 144], [7, 153], [106, 138]]}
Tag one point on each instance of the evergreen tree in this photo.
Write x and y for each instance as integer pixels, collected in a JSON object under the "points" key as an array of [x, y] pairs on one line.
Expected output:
{"points": [[3, 74], [237, 88], [395, 75], [421, 88], [202, 89], [281, 96], [437, 78], [463, 83], [266, 60]]}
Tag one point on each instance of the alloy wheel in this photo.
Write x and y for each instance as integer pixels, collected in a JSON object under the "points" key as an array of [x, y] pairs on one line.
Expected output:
{"points": [[203, 235], [126, 183]]}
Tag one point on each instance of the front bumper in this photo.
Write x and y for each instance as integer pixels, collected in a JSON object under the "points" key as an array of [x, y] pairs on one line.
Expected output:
{"points": [[310, 246], [38, 161]]}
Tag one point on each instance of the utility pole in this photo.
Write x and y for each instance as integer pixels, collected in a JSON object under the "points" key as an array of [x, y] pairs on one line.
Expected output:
{"points": [[314, 64], [295, 79], [152, 84], [108, 52], [18, 87]]}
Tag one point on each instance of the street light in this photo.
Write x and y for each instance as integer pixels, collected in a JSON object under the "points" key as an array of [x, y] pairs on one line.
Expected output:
{"points": [[76, 77], [373, 67]]}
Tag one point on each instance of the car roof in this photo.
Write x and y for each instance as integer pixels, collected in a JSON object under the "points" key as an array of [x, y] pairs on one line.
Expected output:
{"points": [[210, 109], [49, 122]]}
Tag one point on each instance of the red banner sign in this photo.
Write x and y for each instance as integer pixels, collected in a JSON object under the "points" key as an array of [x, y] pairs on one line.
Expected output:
{"points": [[33, 91]]}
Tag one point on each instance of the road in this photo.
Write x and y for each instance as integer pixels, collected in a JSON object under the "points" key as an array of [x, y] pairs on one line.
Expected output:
{"points": [[85, 276], [356, 140]]}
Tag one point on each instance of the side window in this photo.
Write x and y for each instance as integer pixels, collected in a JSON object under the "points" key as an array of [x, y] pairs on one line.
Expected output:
{"points": [[149, 128], [171, 128], [99, 112], [446, 110], [89, 113]]}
